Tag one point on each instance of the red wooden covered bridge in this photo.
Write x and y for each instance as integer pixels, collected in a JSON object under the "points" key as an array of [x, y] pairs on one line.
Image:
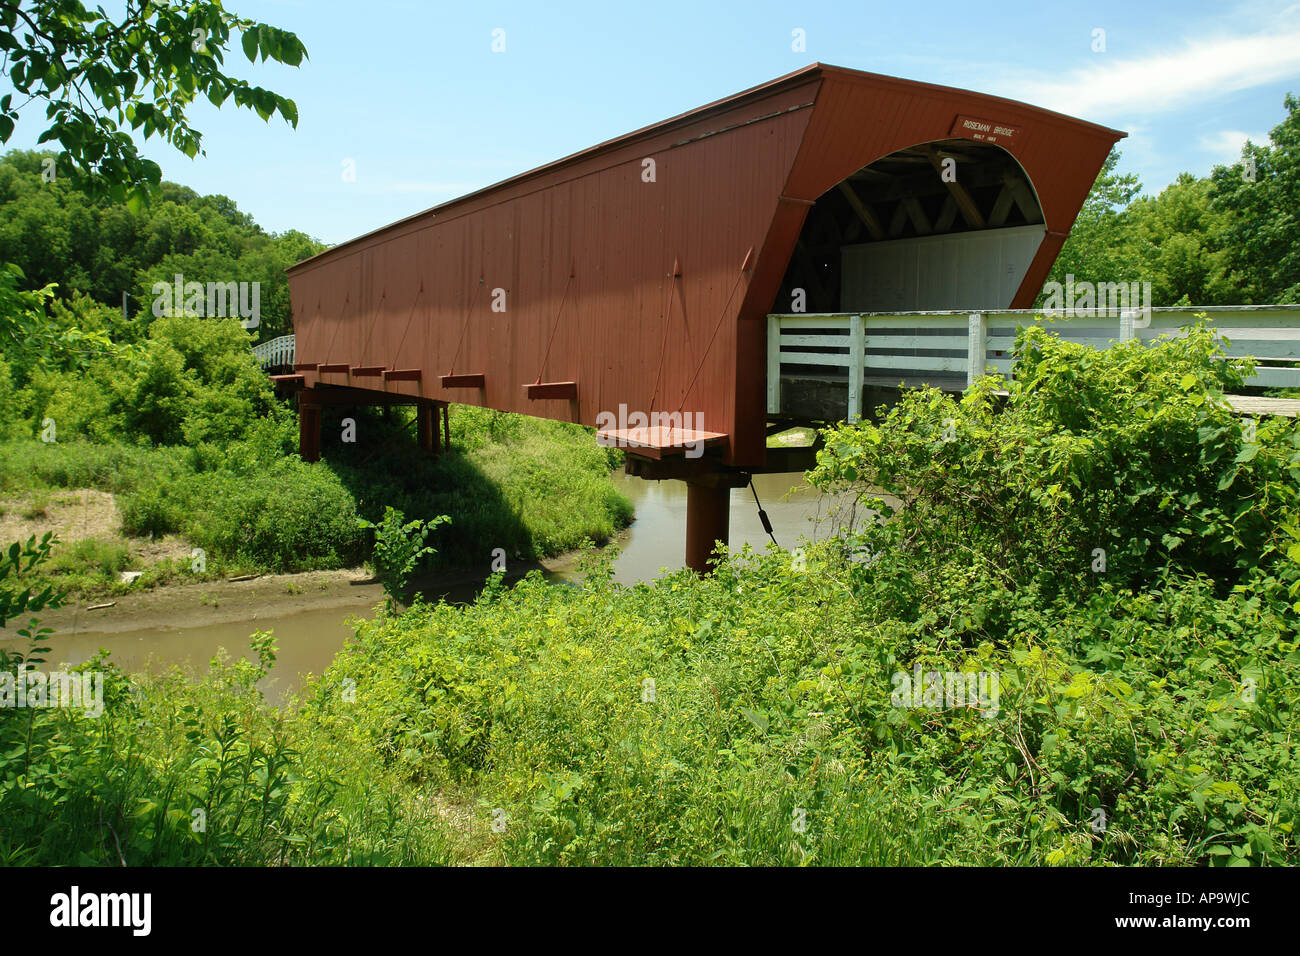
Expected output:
{"points": [[627, 286]]}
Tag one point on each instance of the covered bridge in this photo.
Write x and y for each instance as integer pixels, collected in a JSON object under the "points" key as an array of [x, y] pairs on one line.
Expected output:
{"points": [[636, 276]]}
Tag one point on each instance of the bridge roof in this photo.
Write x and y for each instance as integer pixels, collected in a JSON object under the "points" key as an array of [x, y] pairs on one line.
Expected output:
{"points": [[719, 106]]}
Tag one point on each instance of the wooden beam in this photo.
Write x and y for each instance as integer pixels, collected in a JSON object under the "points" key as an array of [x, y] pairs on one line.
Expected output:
{"points": [[1001, 208], [920, 221], [1024, 197], [863, 211], [469, 380], [898, 221], [542, 390], [402, 375], [922, 185], [969, 211], [333, 367], [368, 371], [947, 215]]}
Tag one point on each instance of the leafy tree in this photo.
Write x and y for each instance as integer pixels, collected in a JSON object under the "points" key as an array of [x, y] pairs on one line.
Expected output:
{"points": [[99, 76], [97, 248], [1178, 242], [1260, 197]]}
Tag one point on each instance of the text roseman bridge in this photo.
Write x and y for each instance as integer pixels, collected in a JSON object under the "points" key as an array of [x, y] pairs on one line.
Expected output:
{"points": [[638, 276]]}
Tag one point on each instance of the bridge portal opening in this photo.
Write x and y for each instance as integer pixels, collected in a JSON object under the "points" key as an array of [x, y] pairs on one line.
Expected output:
{"points": [[947, 225], [951, 224]]}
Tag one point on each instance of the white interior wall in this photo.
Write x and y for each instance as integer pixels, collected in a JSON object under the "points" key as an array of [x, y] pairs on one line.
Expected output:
{"points": [[981, 269]]}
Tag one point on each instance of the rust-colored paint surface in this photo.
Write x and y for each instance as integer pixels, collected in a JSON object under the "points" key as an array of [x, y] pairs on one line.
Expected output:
{"points": [[641, 269]]}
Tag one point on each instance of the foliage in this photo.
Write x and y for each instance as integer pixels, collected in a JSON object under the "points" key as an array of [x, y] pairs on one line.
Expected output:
{"points": [[29, 339], [19, 563], [1262, 224], [94, 247], [400, 546], [99, 76], [1113, 462], [186, 771]]}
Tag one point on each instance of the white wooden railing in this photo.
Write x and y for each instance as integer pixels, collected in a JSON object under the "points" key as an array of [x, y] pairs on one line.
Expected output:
{"points": [[276, 353], [953, 348]]}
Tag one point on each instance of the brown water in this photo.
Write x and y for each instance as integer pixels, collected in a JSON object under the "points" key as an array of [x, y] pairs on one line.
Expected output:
{"points": [[657, 539], [307, 640], [306, 643]]}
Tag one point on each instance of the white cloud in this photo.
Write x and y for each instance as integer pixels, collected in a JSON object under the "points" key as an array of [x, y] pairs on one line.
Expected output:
{"points": [[1167, 80], [1225, 145]]}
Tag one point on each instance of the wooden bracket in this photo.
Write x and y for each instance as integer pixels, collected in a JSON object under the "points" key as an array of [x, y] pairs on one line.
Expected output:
{"points": [[541, 390], [468, 380]]}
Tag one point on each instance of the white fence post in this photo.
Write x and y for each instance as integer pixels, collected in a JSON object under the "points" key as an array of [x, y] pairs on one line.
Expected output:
{"points": [[1126, 330], [774, 365], [857, 358], [976, 354]]}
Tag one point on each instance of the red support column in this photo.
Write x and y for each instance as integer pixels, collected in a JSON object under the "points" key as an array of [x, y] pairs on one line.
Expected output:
{"points": [[708, 519]]}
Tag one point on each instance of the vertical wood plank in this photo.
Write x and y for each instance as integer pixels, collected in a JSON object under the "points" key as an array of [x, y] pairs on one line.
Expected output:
{"points": [[976, 341], [857, 357]]}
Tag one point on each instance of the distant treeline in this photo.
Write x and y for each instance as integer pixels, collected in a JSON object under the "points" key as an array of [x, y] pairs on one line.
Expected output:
{"points": [[100, 249], [1231, 238]]}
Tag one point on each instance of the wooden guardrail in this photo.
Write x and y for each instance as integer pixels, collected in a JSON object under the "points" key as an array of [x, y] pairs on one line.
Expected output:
{"points": [[277, 353], [951, 349]]}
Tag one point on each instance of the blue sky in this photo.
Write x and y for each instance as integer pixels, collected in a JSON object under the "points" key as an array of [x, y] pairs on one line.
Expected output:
{"points": [[412, 94]]}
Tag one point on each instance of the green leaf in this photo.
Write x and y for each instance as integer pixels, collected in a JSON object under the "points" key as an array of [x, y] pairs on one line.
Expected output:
{"points": [[754, 717]]}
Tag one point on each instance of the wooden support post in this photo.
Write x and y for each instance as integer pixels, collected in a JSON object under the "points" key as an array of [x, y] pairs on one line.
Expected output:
{"points": [[708, 518], [857, 359], [309, 415], [976, 341], [774, 365], [446, 426], [426, 427]]}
